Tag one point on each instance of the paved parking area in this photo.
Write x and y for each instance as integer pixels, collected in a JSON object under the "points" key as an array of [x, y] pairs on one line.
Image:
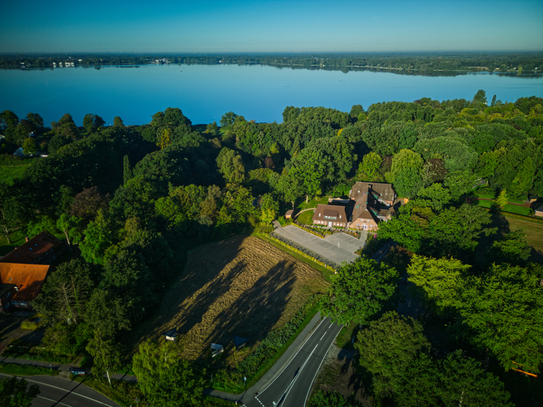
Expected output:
{"points": [[346, 242], [324, 247]]}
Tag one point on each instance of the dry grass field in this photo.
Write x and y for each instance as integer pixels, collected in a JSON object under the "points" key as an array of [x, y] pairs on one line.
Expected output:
{"points": [[240, 286]]}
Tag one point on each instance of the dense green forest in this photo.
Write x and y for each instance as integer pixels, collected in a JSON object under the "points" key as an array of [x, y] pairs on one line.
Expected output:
{"points": [[134, 199], [451, 63]]}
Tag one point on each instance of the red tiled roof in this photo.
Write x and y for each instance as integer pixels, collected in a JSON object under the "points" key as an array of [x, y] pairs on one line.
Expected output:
{"points": [[28, 278], [31, 251]]}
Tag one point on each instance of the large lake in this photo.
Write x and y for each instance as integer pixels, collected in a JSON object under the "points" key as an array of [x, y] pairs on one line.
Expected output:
{"points": [[204, 93]]}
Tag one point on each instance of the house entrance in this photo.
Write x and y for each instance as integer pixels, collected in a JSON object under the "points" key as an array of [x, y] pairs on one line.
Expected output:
{"points": [[329, 224]]}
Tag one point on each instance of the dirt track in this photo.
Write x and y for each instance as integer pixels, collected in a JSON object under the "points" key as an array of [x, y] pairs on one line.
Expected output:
{"points": [[241, 286]]}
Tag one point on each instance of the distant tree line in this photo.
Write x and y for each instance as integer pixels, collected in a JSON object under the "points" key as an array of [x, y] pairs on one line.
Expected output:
{"points": [[446, 63]]}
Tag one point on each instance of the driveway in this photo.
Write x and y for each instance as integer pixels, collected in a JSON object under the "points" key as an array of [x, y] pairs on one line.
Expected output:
{"points": [[337, 250], [346, 242]]}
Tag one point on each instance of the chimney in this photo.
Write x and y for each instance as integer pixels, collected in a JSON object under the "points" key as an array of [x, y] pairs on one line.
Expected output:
{"points": [[26, 239]]}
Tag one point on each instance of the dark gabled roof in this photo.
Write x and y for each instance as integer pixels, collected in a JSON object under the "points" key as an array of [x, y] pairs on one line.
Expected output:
{"points": [[383, 190], [31, 251], [337, 211]]}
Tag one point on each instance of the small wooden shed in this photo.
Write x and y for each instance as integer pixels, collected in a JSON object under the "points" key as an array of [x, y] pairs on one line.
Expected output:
{"points": [[289, 213]]}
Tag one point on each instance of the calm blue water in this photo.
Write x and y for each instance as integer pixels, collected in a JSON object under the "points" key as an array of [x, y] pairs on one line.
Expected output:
{"points": [[205, 93]]}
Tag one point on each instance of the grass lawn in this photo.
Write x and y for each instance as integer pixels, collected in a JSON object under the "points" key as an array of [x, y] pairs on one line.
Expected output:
{"points": [[25, 370], [313, 203], [306, 218], [240, 286], [534, 232], [521, 210], [17, 239], [485, 193]]}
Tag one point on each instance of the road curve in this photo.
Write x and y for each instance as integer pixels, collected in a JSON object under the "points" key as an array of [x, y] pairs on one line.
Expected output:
{"points": [[292, 385], [60, 392]]}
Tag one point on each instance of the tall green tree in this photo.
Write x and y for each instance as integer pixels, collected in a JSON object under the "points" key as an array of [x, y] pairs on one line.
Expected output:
{"points": [[360, 291], [387, 347], [105, 353], [66, 292], [440, 279], [165, 378], [15, 392], [368, 170], [504, 308], [503, 199], [463, 382]]}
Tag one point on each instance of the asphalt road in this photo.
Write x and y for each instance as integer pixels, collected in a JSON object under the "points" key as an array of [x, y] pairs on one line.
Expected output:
{"points": [[292, 385], [60, 392]]}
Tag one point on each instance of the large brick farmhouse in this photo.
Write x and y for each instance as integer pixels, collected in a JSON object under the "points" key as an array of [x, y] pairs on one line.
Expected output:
{"points": [[369, 203], [24, 270]]}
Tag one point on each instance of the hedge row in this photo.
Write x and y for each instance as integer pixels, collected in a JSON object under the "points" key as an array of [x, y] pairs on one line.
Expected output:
{"points": [[232, 380]]}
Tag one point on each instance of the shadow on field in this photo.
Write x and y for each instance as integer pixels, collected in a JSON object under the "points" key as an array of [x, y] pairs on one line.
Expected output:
{"points": [[254, 314]]}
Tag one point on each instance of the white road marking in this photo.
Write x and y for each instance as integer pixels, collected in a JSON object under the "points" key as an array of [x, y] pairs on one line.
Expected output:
{"points": [[299, 373], [54, 401], [323, 335], [262, 404], [319, 368], [63, 389], [331, 325], [71, 392], [294, 356]]}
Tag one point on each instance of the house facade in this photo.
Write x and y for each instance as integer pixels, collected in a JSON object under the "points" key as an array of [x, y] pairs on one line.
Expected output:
{"points": [[369, 204], [330, 215]]}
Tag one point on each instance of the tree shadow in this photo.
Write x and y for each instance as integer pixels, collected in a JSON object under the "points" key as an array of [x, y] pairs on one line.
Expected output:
{"points": [[198, 273], [254, 313]]}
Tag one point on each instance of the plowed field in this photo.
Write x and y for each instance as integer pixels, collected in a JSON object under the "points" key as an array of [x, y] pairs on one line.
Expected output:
{"points": [[241, 286]]}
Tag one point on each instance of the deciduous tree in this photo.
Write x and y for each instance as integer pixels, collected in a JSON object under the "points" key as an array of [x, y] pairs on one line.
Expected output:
{"points": [[15, 392], [360, 291], [387, 347], [166, 379]]}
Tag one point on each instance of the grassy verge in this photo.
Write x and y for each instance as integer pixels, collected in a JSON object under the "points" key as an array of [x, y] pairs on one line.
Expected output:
{"points": [[235, 386], [123, 393], [325, 273], [24, 350], [25, 370]]}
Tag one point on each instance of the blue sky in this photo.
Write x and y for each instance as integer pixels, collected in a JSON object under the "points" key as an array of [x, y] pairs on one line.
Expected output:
{"points": [[271, 26]]}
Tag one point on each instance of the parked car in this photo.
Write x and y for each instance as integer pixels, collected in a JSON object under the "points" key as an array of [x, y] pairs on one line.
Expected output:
{"points": [[78, 371]]}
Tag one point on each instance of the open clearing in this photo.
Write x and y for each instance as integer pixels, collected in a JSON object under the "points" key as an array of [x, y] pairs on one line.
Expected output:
{"points": [[240, 286], [534, 235]]}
